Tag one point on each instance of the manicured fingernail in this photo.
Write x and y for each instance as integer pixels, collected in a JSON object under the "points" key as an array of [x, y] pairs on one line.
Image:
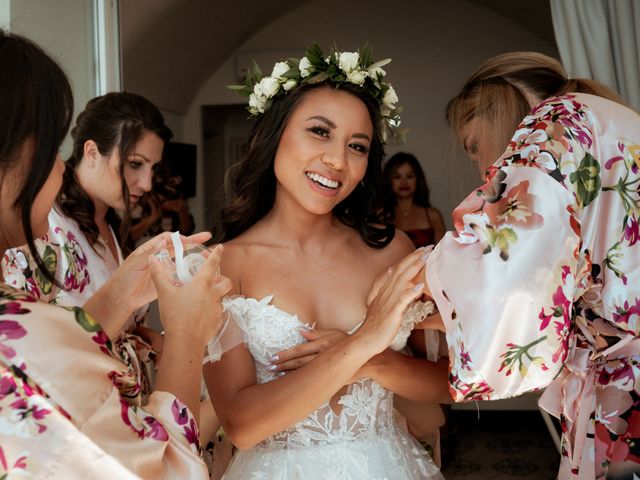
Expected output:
{"points": [[272, 368], [306, 328], [427, 252], [274, 358], [418, 287], [279, 374]]}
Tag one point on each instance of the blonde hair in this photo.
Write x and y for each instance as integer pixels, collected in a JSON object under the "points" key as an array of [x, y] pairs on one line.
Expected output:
{"points": [[497, 93]]}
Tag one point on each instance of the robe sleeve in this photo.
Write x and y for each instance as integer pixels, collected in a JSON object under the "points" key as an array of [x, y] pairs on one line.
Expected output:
{"points": [[505, 280], [64, 388]]}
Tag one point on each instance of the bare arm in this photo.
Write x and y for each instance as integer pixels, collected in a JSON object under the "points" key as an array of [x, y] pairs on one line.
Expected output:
{"points": [[410, 377], [250, 412]]}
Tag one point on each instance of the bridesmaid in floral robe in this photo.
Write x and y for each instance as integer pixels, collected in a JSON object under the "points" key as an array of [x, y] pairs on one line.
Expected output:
{"points": [[69, 406], [118, 142], [539, 284]]}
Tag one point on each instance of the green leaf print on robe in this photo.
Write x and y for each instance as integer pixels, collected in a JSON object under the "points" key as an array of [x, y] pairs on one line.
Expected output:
{"points": [[86, 321], [587, 180], [50, 260], [501, 238]]}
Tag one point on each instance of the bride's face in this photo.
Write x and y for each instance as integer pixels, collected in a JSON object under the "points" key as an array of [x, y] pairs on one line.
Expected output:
{"points": [[323, 150]]}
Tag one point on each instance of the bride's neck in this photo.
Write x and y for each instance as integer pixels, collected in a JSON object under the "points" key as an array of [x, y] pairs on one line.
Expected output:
{"points": [[299, 226]]}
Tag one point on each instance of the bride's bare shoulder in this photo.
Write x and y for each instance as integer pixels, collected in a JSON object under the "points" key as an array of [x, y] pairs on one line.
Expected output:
{"points": [[243, 253], [396, 250]]}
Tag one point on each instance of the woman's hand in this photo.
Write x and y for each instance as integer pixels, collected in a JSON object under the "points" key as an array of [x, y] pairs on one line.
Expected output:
{"points": [[395, 291], [132, 279], [130, 287], [192, 310], [191, 315], [318, 340]]}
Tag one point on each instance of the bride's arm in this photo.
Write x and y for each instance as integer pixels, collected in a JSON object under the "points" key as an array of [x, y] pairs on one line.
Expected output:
{"points": [[251, 412], [413, 378], [410, 377]]}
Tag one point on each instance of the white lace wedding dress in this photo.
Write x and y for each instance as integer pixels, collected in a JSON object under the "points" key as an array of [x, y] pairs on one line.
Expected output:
{"points": [[360, 441]]}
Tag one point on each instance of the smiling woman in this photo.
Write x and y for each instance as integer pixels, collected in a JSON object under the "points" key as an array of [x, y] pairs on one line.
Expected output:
{"points": [[304, 385]]}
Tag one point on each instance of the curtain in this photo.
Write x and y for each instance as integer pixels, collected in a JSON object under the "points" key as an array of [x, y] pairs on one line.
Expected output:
{"points": [[600, 39]]}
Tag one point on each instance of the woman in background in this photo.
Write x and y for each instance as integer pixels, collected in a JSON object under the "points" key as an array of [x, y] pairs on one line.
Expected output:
{"points": [[405, 196], [406, 203]]}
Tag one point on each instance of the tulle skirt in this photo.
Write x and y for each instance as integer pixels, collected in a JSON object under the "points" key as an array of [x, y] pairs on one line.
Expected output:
{"points": [[397, 457]]}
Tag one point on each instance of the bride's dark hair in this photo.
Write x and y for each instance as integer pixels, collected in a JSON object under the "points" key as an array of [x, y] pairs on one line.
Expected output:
{"points": [[250, 184]]}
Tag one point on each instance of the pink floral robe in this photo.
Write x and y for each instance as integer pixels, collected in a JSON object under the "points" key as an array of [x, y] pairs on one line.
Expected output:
{"points": [[70, 408], [81, 270], [539, 286]]}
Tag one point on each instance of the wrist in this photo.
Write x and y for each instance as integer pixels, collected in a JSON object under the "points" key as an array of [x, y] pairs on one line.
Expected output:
{"points": [[108, 309], [365, 343]]}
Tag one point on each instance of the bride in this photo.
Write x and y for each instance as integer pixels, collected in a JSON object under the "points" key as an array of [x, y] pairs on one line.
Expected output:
{"points": [[302, 252]]}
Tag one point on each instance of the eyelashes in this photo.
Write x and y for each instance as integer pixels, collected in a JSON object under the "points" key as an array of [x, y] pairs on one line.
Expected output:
{"points": [[325, 133]]}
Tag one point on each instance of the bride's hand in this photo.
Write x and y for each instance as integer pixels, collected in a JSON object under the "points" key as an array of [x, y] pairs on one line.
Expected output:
{"points": [[384, 312], [382, 278], [318, 340]]}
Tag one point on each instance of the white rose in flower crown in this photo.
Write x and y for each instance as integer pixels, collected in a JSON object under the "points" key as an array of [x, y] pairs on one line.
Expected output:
{"points": [[305, 67], [256, 104], [357, 77], [269, 86], [348, 61], [390, 98], [280, 69], [289, 84], [376, 72]]}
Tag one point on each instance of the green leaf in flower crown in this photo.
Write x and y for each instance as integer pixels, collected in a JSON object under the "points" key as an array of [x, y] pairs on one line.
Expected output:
{"points": [[315, 55], [294, 62], [318, 78], [366, 57], [292, 73], [256, 70]]}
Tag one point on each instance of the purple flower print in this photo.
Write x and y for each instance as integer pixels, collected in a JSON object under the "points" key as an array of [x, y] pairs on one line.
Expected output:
{"points": [[10, 330], [631, 230]]}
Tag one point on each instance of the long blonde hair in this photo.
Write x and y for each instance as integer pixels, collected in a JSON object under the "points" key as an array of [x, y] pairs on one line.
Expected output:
{"points": [[498, 91]]}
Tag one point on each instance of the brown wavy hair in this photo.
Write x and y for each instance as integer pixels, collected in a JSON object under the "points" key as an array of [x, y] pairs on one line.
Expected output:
{"points": [[498, 90], [250, 185], [115, 120]]}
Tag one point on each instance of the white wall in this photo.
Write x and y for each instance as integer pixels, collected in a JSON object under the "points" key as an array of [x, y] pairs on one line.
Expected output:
{"points": [[434, 45], [64, 29]]}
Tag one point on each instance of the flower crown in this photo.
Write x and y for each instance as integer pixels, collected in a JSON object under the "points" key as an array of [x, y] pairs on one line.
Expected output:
{"points": [[356, 68]]}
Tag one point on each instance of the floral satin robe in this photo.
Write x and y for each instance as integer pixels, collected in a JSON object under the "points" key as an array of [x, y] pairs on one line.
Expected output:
{"points": [[70, 408], [539, 286], [81, 270]]}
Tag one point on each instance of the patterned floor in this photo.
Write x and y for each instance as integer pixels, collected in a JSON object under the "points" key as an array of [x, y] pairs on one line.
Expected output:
{"points": [[500, 445]]}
